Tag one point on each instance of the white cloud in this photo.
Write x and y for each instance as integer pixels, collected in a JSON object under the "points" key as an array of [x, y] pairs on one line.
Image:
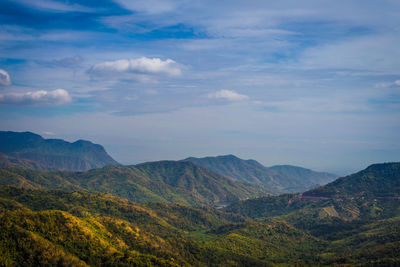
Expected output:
{"points": [[141, 65], [4, 78], [228, 95], [54, 6], [55, 97], [388, 84]]}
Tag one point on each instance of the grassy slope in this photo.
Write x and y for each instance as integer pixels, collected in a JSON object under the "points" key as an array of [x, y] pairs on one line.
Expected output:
{"points": [[173, 182]]}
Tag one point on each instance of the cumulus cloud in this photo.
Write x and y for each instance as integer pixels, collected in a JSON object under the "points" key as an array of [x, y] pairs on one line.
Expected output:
{"points": [[55, 97], [4, 78], [228, 95], [141, 65]]}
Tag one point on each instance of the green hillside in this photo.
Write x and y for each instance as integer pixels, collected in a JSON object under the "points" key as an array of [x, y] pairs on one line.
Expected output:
{"points": [[166, 181], [276, 179], [358, 215], [376, 181], [366, 194], [353, 221], [67, 227], [11, 162]]}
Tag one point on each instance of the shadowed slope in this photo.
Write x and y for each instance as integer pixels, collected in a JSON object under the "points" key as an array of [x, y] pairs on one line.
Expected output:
{"points": [[276, 179], [54, 153]]}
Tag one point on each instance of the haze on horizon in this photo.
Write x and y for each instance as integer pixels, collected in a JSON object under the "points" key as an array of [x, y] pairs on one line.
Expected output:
{"points": [[309, 83]]}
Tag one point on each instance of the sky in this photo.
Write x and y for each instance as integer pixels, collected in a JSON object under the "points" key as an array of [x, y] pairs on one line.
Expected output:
{"points": [[312, 83]]}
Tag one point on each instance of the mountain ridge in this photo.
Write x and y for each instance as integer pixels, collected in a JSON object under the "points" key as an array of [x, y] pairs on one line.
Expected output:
{"points": [[80, 155], [163, 181], [280, 178], [367, 194], [334, 225]]}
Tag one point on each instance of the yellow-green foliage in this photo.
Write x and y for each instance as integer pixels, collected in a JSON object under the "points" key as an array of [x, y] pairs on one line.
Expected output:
{"points": [[57, 237], [164, 181], [274, 240], [71, 228]]}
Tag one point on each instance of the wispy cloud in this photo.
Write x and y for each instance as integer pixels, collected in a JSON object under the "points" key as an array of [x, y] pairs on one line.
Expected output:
{"points": [[42, 97], [324, 68], [68, 61], [53, 5], [227, 95], [388, 84], [149, 6], [4, 78]]}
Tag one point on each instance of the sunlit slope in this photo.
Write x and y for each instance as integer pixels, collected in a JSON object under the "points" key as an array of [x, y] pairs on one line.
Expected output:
{"points": [[166, 181]]}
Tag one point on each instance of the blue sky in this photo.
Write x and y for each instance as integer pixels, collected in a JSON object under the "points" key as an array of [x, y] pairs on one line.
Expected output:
{"points": [[312, 83]]}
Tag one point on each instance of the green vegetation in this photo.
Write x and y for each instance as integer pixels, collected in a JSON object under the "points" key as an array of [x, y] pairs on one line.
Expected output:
{"points": [[96, 229], [275, 180], [354, 221], [11, 162], [165, 181], [358, 215]]}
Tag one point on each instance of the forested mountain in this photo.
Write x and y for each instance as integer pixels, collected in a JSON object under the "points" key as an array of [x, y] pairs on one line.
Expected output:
{"points": [[278, 179], [352, 221], [77, 228], [52, 153], [356, 196], [53, 217], [376, 181], [300, 179], [31, 151], [358, 214], [164, 181], [11, 162]]}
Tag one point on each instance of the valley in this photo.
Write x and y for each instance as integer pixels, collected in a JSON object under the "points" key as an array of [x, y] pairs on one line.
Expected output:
{"points": [[179, 213]]}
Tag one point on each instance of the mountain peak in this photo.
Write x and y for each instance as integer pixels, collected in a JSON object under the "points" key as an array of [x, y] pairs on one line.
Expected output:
{"points": [[383, 166], [228, 156], [54, 153]]}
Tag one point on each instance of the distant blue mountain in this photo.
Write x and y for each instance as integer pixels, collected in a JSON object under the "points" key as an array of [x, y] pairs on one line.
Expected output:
{"points": [[279, 179], [51, 153]]}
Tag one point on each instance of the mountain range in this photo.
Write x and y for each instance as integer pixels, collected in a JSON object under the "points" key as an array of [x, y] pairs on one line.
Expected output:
{"points": [[30, 151], [163, 181], [52, 153], [278, 179], [214, 211], [361, 211], [333, 225], [360, 195]]}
